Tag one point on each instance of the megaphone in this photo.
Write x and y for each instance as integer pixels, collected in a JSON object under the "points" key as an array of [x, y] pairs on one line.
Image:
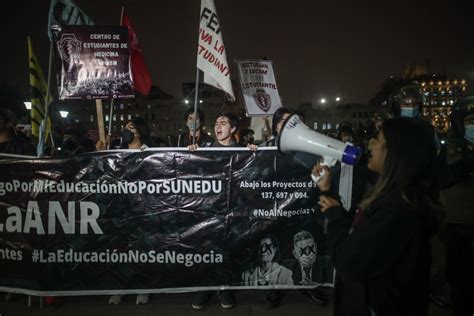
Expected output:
{"points": [[296, 136]]}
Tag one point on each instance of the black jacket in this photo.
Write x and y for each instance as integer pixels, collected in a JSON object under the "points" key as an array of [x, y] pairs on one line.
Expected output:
{"points": [[18, 146], [204, 141], [383, 260]]}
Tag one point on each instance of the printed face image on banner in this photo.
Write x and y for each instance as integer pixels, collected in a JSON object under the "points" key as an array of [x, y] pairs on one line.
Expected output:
{"points": [[92, 62], [258, 87], [159, 220]]}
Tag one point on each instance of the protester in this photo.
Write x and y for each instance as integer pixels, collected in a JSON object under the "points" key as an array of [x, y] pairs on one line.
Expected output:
{"points": [[225, 127], [462, 122], [10, 142], [74, 143], [135, 135], [360, 174], [246, 137], [202, 138], [458, 233], [383, 256], [278, 120], [275, 297]]}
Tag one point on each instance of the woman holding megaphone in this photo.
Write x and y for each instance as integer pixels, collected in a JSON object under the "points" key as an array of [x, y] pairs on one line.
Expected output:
{"points": [[383, 256]]}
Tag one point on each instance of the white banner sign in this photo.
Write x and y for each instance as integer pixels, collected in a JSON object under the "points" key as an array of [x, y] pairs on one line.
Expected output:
{"points": [[211, 56], [258, 87]]}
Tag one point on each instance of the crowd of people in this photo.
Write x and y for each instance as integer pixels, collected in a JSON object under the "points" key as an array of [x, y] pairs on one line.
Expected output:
{"points": [[380, 245]]}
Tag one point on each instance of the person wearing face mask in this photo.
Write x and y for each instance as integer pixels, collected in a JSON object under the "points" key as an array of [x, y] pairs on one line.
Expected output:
{"points": [[406, 101], [10, 143], [382, 255], [458, 234], [135, 135], [462, 123], [72, 144], [202, 138]]}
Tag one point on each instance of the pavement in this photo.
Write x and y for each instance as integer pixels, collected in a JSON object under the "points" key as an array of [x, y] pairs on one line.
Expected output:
{"points": [[249, 303]]}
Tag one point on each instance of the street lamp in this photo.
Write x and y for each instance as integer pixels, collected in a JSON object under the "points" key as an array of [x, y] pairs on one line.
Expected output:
{"points": [[323, 100], [27, 105], [338, 99], [186, 101], [63, 114]]}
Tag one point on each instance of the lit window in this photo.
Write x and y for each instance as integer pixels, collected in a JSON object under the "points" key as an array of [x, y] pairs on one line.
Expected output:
{"points": [[106, 117], [121, 117], [148, 106], [129, 117], [315, 126], [92, 118], [114, 118], [329, 125], [121, 106], [324, 126]]}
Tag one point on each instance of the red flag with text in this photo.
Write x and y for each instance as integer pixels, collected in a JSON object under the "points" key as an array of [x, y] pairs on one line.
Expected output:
{"points": [[140, 74]]}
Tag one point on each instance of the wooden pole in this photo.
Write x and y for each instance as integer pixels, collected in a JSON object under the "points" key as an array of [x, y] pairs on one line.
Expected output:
{"points": [[100, 120]]}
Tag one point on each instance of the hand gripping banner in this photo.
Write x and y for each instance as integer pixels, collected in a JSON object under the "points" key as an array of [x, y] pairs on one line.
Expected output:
{"points": [[159, 221]]}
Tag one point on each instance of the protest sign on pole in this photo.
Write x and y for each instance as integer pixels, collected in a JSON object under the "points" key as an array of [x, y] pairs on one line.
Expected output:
{"points": [[259, 87], [92, 62], [211, 55]]}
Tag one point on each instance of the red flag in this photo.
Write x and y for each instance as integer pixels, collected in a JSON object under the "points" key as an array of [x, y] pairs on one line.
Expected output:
{"points": [[140, 74]]}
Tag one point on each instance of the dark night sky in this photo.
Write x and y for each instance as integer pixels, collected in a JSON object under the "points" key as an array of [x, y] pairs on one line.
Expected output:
{"points": [[319, 48]]}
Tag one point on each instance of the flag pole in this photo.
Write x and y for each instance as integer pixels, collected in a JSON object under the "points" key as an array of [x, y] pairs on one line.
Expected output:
{"points": [[46, 107], [196, 92], [48, 93], [109, 133]]}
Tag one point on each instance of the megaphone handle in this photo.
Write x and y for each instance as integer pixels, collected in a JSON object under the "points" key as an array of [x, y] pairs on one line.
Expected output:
{"points": [[328, 162], [321, 174]]}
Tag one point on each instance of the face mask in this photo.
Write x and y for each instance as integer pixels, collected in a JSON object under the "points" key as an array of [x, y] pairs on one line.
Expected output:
{"points": [[127, 136], [191, 126], [409, 112], [469, 133]]}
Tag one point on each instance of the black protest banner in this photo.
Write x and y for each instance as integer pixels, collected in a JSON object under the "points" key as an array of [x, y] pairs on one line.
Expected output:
{"points": [[159, 221], [92, 62]]}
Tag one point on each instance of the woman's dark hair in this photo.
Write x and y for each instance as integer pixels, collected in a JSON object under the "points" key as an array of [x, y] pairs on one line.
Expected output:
{"points": [[410, 163], [277, 116], [143, 130], [199, 113]]}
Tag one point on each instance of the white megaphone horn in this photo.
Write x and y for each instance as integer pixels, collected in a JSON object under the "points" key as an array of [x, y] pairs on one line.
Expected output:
{"points": [[296, 136]]}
